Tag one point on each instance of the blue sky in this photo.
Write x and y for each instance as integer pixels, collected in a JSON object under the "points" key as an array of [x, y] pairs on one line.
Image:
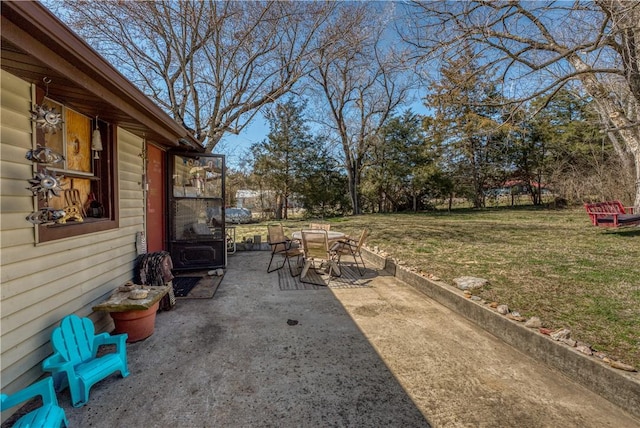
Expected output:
{"points": [[234, 146]]}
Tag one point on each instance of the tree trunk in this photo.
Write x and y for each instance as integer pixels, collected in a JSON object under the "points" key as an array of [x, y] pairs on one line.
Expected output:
{"points": [[352, 173], [636, 203], [611, 115], [352, 190], [278, 212], [285, 208]]}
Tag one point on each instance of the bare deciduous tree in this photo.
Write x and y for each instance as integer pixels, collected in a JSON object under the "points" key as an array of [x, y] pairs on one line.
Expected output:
{"points": [[537, 48], [211, 64], [362, 81]]}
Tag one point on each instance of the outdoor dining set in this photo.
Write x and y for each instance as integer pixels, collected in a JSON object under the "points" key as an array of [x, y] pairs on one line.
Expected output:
{"points": [[316, 247]]}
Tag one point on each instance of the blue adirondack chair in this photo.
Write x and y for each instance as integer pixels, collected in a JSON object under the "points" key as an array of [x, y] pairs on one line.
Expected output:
{"points": [[75, 347], [49, 415]]}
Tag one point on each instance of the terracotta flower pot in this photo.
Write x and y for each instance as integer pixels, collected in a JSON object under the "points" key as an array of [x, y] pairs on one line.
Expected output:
{"points": [[137, 324]]}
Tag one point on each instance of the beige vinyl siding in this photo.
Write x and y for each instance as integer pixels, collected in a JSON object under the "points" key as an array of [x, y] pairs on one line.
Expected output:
{"points": [[41, 283], [130, 170]]}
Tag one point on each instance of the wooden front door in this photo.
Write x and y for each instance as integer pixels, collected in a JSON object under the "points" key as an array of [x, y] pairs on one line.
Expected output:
{"points": [[156, 200]]}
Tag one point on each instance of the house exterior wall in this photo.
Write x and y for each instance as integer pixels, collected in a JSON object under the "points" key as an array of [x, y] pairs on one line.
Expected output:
{"points": [[42, 282]]}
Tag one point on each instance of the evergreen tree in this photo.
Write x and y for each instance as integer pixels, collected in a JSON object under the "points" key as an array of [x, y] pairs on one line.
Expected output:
{"points": [[564, 147], [473, 132], [291, 161], [277, 160], [322, 184], [402, 167]]}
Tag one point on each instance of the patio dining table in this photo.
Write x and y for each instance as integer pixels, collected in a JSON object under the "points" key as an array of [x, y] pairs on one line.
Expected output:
{"points": [[332, 236]]}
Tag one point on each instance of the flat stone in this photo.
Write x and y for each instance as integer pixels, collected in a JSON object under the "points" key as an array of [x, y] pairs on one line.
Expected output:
{"points": [[503, 309], [622, 366], [584, 349], [121, 301], [515, 317], [533, 322], [561, 334], [470, 282]]}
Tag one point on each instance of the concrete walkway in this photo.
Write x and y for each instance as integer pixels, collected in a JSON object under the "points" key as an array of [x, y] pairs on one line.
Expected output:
{"points": [[384, 356]]}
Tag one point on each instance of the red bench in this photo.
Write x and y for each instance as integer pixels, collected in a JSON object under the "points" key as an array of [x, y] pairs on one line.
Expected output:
{"points": [[611, 214]]}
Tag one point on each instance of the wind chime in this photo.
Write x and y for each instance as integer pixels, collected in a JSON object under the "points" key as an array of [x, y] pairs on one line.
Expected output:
{"points": [[96, 141]]}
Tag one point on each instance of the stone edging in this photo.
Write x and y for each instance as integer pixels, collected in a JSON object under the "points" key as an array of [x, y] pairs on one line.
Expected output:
{"points": [[619, 387]]}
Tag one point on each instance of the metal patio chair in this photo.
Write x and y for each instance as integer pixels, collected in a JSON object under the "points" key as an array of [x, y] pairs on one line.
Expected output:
{"points": [[315, 245], [283, 246], [352, 247]]}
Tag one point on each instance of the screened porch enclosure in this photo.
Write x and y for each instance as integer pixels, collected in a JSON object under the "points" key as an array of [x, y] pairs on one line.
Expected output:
{"points": [[196, 211]]}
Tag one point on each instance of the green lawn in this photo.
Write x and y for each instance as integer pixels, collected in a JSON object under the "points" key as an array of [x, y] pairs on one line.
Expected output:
{"points": [[547, 263]]}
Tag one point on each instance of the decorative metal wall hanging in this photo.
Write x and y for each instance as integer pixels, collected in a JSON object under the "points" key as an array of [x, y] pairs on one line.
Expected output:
{"points": [[45, 184], [44, 155], [46, 118], [46, 216]]}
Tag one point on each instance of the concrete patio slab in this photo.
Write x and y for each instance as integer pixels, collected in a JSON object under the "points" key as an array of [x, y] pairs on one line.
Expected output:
{"points": [[382, 356]]}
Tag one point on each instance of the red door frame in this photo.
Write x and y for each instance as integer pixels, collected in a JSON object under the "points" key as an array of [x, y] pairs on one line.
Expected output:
{"points": [[156, 199]]}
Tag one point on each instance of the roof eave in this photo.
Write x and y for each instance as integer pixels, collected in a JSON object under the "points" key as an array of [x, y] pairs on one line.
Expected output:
{"points": [[31, 25]]}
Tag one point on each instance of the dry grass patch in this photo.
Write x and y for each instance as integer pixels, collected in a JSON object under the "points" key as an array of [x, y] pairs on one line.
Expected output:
{"points": [[545, 263]]}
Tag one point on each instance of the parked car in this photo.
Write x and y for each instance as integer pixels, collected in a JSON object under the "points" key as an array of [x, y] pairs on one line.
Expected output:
{"points": [[237, 215]]}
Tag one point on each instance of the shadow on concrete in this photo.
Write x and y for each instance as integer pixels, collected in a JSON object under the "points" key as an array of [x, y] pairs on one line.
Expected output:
{"points": [[385, 355], [235, 361]]}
